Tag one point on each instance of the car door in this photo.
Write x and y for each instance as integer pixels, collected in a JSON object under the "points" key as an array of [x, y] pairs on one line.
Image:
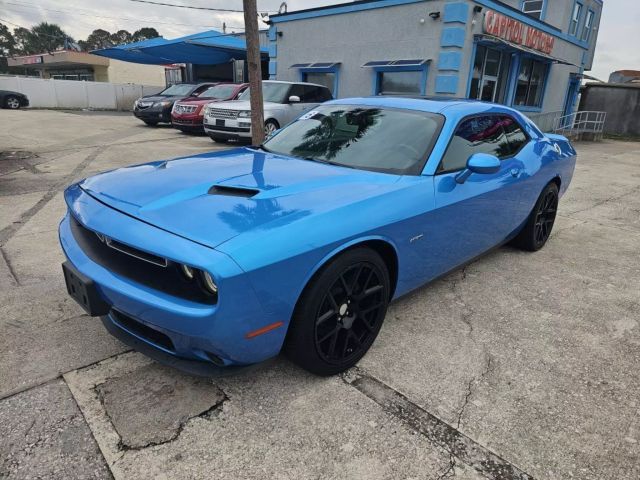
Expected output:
{"points": [[472, 217]]}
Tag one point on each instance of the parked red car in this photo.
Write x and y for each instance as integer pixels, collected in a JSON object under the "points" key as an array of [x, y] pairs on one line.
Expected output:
{"points": [[187, 113]]}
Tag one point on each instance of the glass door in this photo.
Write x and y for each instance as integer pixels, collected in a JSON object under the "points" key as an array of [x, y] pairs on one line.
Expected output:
{"points": [[490, 74]]}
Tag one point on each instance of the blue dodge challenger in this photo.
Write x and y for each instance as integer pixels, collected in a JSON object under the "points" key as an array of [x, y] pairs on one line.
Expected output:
{"points": [[225, 259]]}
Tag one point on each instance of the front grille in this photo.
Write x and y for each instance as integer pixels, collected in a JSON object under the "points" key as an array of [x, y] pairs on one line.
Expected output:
{"points": [[179, 108], [222, 113], [135, 265], [140, 329]]}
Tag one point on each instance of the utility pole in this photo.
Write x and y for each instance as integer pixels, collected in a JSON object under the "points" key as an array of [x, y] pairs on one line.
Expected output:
{"points": [[255, 70]]}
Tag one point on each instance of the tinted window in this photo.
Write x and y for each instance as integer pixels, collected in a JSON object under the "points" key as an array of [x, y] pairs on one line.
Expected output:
{"points": [[271, 92], [321, 78], [368, 138], [399, 82], [298, 91], [483, 134], [515, 135], [315, 94]]}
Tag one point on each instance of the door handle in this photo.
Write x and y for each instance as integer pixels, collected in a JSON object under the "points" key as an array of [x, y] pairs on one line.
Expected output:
{"points": [[515, 172]]}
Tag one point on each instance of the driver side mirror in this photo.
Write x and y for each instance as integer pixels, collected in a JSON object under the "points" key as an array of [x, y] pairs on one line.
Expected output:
{"points": [[481, 163], [294, 99]]}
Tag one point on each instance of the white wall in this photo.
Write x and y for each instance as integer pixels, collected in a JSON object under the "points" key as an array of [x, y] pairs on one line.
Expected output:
{"points": [[72, 94]]}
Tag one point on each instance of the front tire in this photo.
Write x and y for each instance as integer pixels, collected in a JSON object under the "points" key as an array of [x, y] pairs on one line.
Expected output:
{"points": [[151, 123], [537, 230], [12, 102], [339, 313], [270, 127]]}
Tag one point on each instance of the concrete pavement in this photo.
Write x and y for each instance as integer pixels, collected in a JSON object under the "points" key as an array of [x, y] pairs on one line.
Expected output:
{"points": [[518, 366]]}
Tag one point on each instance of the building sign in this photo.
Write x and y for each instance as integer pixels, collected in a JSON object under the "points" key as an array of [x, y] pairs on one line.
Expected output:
{"points": [[514, 31], [32, 60]]}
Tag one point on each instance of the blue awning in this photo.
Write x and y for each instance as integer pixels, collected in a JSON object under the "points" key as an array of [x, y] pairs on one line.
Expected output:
{"points": [[206, 48]]}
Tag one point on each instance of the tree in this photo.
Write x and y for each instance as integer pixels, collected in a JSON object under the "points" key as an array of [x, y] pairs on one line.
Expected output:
{"points": [[47, 37], [255, 70], [144, 34], [97, 39], [44, 37], [7, 41], [121, 37]]}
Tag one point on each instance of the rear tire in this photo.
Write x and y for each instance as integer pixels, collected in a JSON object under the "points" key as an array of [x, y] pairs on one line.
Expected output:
{"points": [[12, 102], [537, 230], [151, 123], [340, 313]]}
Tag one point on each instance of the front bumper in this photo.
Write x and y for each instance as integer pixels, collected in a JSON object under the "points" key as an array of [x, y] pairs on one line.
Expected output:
{"points": [[153, 114], [230, 128], [187, 122], [211, 333]]}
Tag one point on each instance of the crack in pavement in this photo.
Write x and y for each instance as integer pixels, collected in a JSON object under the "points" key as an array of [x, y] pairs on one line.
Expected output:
{"points": [[474, 381], [438, 432], [606, 200], [467, 312], [9, 231], [12, 272]]}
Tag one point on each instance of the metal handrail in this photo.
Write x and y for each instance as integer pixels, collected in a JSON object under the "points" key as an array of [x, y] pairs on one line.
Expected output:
{"points": [[544, 121], [578, 124]]}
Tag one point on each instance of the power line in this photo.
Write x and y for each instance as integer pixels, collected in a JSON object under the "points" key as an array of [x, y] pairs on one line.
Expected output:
{"points": [[125, 19], [191, 7]]}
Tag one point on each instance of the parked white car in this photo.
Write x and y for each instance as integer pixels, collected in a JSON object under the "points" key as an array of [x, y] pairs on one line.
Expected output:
{"points": [[283, 102]]}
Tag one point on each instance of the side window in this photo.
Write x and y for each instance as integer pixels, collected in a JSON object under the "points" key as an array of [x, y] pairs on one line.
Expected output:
{"points": [[297, 90], [312, 94], [515, 135], [482, 134]]}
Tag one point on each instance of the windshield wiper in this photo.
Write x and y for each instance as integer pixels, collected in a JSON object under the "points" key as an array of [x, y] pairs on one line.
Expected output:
{"points": [[328, 162]]}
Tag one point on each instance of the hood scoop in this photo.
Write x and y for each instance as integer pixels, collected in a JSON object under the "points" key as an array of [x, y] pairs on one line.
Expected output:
{"points": [[230, 191]]}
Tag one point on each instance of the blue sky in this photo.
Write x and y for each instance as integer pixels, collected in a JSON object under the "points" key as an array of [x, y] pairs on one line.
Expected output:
{"points": [[618, 39]]}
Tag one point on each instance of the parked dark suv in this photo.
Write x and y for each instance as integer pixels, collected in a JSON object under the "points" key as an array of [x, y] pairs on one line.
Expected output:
{"points": [[154, 109]]}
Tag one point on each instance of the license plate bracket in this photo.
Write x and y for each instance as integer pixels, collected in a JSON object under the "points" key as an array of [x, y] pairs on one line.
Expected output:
{"points": [[84, 291], [219, 122]]}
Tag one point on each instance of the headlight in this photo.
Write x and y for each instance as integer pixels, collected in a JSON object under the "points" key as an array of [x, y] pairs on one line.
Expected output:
{"points": [[209, 284], [201, 112], [244, 114], [164, 103], [187, 271]]}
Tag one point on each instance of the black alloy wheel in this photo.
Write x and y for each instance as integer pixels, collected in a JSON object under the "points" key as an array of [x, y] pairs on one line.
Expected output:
{"points": [[537, 230], [545, 216], [340, 313]]}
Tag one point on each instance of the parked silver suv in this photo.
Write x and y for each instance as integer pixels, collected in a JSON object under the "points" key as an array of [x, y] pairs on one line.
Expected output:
{"points": [[283, 102]]}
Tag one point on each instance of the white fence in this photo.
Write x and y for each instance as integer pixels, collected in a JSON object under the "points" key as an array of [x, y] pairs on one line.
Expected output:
{"points": [[73, 94]]}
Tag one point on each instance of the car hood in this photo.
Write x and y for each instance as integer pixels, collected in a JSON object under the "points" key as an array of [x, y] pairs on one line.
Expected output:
{"points": [[199, 101], [214, 197], [160, 98]]}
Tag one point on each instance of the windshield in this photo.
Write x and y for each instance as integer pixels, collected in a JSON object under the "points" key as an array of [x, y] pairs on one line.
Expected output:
{"points": [[175, 90], [271, 92], [370, 138], [219, 91]]}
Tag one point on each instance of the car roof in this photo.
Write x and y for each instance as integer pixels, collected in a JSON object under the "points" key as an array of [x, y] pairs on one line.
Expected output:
{"points": [[294, 83], [448, 106]]}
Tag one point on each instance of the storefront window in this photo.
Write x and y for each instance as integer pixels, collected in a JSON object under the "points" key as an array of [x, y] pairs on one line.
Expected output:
{"points": [[490, 74], [403, 82], [533, 8], [326, 79], [530, 83]]}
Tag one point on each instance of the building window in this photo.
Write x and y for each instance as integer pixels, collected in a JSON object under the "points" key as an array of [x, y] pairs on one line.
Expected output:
{"points": [[575, 19], [327, 79], [490, 74], [531, 79], [533, 8], [402, 82], [588, 24]]}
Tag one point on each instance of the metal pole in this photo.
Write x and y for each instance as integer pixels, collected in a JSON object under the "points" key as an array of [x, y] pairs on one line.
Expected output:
{"points": [[255, 70]]}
